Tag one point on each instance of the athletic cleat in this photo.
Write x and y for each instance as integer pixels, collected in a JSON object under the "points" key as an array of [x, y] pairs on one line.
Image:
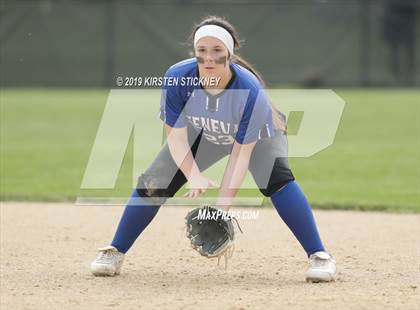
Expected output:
{"points": [[108, 262], [321, 268]]}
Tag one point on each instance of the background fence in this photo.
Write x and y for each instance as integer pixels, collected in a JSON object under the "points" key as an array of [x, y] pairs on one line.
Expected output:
{"points": [[309, 43]]}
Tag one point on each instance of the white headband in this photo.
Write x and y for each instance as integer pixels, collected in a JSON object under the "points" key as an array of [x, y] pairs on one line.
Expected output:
{"points": [[217, 32]]}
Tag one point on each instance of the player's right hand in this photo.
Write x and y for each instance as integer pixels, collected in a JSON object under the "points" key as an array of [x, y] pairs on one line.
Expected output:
{"points": [[198, 185]]}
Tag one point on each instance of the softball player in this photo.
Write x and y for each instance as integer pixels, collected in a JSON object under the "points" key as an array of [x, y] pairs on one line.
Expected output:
{"points": [[205, 124]]}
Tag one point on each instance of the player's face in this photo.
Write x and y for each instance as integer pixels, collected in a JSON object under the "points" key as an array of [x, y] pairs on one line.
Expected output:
{"points": [[212, 57]]}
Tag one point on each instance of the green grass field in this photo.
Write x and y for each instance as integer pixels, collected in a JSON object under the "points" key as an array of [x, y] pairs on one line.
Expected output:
{"points": [[47, 136]]}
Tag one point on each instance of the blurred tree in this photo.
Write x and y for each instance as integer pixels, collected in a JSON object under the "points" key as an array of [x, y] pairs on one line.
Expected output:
{"points": [[399, 27]]}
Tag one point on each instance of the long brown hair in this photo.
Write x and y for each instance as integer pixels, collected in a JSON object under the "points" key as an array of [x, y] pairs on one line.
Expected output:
{"points": [[236, 58]]}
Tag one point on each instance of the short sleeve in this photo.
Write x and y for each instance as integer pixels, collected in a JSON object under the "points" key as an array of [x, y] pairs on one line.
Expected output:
{"points": [[172, 105], [256, 121]]}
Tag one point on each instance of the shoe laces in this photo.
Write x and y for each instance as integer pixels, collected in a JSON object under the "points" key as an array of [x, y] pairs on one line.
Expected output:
{"points": [[316, 261], [107, 256]]}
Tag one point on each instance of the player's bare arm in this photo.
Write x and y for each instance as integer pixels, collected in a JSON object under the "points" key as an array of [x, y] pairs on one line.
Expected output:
{"points": [[181, 153], [234, 174]]}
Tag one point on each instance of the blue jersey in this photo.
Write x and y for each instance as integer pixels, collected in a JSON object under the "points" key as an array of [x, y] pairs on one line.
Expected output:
{"points": [[241, 112]]}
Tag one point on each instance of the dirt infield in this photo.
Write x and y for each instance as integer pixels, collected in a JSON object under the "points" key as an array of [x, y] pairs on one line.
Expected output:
{"points": [[46, 250]]}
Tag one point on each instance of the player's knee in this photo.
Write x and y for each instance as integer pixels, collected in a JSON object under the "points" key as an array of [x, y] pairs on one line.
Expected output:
{"points": [[151, 187], [276, 185]]}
